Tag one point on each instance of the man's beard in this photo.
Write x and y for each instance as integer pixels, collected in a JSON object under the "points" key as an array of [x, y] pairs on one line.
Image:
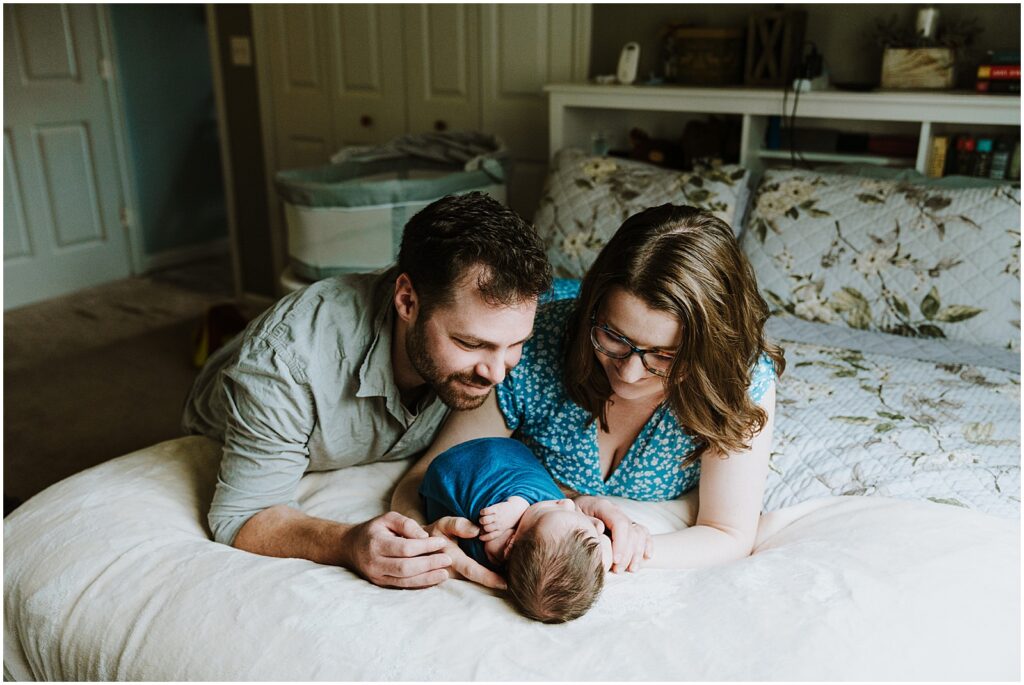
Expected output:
{"points": [[446, 387]]}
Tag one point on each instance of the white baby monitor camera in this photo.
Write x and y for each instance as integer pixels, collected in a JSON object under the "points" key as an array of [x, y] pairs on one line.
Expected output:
{"points": [[629, 59]]}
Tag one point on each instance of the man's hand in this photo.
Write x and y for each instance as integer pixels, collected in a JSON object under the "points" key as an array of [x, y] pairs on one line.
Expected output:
{"points": [[632, 543], [449, 529], [394, 551], [498, 518]]}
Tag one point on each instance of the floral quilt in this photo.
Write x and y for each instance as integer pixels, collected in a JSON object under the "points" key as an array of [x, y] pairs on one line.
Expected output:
{"points": [[860, 423]]}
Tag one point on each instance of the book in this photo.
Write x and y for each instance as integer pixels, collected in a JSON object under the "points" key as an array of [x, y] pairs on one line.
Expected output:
{"points": [[982, 158], [1003, 57], [984, 86], [1001, 158], [892, 145], [937, 156], [999, 71], [1013, 171], [963, 162]]}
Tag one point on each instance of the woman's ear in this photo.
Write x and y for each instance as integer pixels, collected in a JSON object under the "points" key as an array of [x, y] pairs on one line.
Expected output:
{"points": [[407, 303]]}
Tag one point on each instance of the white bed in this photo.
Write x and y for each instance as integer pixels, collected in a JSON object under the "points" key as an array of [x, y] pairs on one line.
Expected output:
{"points": [[889, 550], [110, 575]]}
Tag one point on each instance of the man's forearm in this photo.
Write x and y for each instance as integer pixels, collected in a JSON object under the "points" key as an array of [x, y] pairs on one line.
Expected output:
{"points": [[281, 531]]}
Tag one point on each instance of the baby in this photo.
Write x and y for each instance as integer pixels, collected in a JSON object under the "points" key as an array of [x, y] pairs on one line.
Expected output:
{"points": [[554, 556]]}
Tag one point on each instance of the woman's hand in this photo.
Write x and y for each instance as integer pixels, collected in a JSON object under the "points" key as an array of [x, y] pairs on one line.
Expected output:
{"points": [[632, 543]]}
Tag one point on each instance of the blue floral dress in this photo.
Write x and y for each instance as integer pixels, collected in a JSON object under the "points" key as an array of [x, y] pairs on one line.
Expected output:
{"points": [[536, 407]]}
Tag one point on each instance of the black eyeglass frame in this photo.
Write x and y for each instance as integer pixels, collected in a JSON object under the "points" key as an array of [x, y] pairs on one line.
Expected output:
{"points": [[633, 349]]}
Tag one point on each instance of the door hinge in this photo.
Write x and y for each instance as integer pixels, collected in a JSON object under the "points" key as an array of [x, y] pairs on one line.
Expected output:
{"points": [[106, 69]]}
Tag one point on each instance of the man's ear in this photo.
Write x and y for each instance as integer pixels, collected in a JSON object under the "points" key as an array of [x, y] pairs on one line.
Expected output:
{"points": [[407, 302]]}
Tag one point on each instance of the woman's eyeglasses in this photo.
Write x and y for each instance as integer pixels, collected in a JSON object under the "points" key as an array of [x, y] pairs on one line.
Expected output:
{"points": [[611, 344]]}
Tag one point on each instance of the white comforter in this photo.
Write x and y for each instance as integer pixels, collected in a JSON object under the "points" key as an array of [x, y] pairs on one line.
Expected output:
{"points": [[110, 575]]}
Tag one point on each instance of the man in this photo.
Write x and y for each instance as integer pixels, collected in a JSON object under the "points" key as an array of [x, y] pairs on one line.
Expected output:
{"points": [[362, 368]]}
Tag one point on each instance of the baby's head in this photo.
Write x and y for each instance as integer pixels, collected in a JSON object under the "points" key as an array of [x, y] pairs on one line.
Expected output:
{"points": [[556, 562]]}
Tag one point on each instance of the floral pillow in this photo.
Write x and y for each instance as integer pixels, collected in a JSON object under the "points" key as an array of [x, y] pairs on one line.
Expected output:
{"points": [[587, 198], [889, 255]]}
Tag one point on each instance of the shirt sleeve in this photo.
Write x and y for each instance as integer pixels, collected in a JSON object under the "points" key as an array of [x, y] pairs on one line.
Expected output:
{"points": [[269, 418], [762, 377]]}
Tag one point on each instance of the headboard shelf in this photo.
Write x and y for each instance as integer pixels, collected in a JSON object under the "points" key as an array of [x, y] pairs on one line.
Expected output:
{"points": [[578, 111]]}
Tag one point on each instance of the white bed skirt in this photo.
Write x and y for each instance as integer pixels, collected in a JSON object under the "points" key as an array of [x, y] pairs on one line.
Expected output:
{"points": [[110, 575]]}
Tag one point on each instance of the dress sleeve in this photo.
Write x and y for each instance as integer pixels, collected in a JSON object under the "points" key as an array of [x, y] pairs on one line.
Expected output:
{"points": [[527, 391], [509, 394], [762, 377], [270, 416]]}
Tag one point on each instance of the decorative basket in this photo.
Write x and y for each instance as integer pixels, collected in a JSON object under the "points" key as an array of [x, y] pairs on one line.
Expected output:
{"points": [[917, 68]]}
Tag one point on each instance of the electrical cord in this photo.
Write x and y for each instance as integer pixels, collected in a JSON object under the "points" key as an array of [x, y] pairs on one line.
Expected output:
{"points": [[813, 62]]}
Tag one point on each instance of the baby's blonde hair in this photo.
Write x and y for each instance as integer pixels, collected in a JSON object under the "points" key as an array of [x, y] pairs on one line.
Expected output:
{"points": [[554, 580]]}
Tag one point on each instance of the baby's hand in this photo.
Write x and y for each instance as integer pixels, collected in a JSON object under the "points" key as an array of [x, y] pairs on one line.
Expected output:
{"points": [[498, 518]]}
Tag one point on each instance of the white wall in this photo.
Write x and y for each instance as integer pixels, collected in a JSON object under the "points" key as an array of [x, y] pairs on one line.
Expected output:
{"points": [[841, 32]]}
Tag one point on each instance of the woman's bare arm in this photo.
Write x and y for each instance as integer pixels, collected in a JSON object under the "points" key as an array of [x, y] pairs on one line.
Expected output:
{"points": [[485, 421], [731, 495]]}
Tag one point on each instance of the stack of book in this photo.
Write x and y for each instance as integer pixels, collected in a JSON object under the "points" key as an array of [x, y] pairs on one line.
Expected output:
{"points": [[996, 157], [1000, 73]]}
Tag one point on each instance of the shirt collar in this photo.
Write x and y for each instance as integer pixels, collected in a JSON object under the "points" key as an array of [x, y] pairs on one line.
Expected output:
{"points": [[376, 373]]}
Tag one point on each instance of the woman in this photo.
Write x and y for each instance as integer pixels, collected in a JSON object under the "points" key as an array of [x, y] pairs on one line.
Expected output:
{"points": [[656, 379]]}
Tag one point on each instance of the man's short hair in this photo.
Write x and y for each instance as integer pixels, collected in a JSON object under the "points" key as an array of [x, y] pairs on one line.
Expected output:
{"points": [[554, 580], [448, 237]]}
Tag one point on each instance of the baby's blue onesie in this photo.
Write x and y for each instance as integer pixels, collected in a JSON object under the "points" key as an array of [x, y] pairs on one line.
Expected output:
{"points": [[473, 475]]}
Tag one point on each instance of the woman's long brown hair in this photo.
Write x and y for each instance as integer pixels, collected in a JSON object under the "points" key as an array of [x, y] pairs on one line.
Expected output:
{"points": [[685, 262]]}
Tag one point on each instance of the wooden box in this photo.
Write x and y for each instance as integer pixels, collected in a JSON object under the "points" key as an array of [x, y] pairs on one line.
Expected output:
{"points": [[708, 56], [774, 47], [917, 68]]}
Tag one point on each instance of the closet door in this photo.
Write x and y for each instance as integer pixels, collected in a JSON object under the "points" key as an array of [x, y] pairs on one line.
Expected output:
{"points": [[524, 47], [442, 64], [301, 97], [367, 76]]}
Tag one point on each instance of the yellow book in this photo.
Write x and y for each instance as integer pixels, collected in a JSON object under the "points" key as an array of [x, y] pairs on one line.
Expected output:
{"points": [[937, 156]]}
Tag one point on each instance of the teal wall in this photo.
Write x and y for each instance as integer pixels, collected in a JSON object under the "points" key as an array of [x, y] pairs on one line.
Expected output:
{"points": [[167, 89]]}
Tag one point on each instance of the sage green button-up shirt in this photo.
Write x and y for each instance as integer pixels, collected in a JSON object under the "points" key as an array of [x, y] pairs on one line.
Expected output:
{"points": [[307, 387]]}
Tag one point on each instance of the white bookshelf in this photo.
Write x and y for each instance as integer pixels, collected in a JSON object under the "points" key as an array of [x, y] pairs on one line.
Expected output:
{"points": [[577, 111]]}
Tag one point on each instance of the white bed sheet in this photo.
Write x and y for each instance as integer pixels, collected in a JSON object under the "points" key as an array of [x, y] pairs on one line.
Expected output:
{"points": [[110, 575]]}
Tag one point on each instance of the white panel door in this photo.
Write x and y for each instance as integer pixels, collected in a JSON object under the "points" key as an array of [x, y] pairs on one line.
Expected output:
{"points": [[367, 74], [297, 39], [62, 192], [524, 47], [442, 63]]}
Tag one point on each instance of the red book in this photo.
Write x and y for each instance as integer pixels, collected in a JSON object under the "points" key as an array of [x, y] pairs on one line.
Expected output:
{"points": [[997, 86], [892, 146], [999, 71]]}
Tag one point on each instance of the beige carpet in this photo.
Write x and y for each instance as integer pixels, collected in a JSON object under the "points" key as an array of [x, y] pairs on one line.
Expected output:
{"points": [[100, 373]]}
